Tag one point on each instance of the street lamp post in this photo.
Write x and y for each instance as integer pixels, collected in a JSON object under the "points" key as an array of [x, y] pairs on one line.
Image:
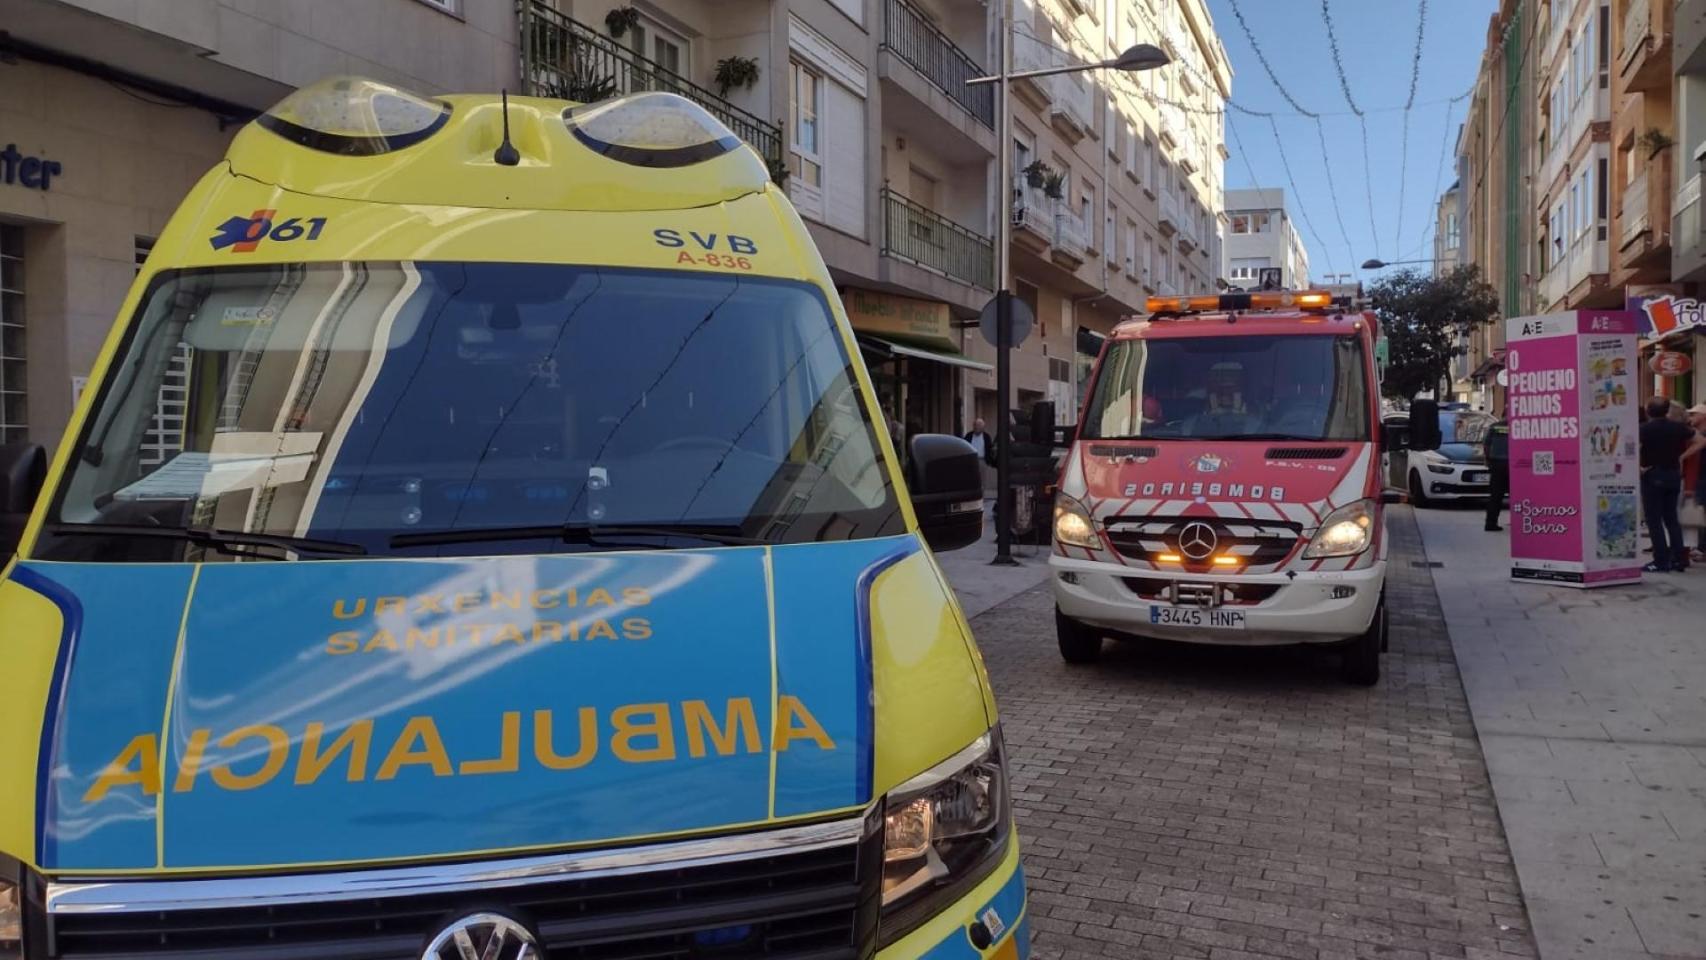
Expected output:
{"points": [[1378, 264], [1140, 57]]}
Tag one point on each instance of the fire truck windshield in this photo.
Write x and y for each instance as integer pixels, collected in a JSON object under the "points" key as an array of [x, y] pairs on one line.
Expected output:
{"points": [[1231, 388]]}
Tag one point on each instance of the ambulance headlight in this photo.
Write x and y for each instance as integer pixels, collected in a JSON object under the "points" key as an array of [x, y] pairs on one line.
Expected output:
{"points": [[355, 117], [11, 922], [1346, 532], [650, 130], [944, 831]]}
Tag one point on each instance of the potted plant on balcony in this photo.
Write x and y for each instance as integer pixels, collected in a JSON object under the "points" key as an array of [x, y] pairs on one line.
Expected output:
{"points": [[621, 20], [736, 72], [1037, 174], [582, 82], [1054, 185], [1655, 140]]}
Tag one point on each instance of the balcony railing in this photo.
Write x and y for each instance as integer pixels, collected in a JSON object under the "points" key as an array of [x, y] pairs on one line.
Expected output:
{"points": [[1633, 210], [1637, 24], [564, 58], [1168, 221], [1070, 236], [919, 234], [1033, 209], [911, 37], [1072, 102]]}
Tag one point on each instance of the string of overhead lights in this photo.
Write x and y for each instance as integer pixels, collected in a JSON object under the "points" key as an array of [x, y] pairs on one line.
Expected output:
{"points": [[1404, 140], [1302, 208]]}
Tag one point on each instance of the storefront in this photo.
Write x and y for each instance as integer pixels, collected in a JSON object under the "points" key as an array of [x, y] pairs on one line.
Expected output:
{"points": [[911, 350], [89, 174], [1671, 349]]}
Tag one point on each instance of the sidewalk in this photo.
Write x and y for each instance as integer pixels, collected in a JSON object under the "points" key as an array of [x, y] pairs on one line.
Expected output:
{"points": [[981, 586], [1591, 708]]}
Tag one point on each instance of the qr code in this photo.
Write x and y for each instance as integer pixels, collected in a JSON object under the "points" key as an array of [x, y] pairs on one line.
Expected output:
{"points": [[1543, 463]]}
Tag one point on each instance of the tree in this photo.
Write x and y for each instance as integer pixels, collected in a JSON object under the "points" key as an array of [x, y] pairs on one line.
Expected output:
{"points": [[1424, 319]]}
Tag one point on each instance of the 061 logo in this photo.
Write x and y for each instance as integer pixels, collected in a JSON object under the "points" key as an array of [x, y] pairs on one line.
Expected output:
{"points": [[244, 234]]}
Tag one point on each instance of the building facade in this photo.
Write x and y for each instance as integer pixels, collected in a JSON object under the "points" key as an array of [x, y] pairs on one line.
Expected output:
{"points": [[114, 110], [1261, 234]]}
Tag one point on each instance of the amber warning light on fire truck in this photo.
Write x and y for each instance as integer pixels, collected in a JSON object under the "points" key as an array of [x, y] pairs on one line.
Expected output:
{"points": [[1220, 302]]}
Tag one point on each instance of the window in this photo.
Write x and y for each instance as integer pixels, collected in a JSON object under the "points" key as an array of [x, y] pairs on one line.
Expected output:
{"points": [[806, 106], [14, 399], [452, 7], [1556, 231], [1572, 215], [1252, 221], [1246, 268], [1130, 248], [1148, 259], [1451, 233], [657, 42], [164, 438]]}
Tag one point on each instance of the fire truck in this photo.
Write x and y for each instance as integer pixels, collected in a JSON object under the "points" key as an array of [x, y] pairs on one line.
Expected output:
{"points": [[1223, 485]]}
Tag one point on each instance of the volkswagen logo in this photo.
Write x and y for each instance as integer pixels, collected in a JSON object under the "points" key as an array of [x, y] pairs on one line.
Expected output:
{"points": [[483, 936], [1198, 540]]}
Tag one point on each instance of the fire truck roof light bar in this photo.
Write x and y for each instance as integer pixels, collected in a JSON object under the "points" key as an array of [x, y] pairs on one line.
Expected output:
{"points": [[1298, 299]]}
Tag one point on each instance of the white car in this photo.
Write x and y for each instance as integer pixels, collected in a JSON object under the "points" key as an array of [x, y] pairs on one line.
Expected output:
{"points": [[1456, 471]]}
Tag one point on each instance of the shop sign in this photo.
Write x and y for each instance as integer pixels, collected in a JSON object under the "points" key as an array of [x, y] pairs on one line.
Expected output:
{"points": [[884, 314], [1668, 314], [1669, 363], [1574, 477], [27, 171]]}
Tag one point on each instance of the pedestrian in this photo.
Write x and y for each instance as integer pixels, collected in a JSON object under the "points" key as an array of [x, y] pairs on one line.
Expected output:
{"points": [[981, 441], [1697, 420], [1496, 448], [1664, 443]]}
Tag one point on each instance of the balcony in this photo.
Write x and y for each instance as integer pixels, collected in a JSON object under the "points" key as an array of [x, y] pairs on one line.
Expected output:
{"points": [[915, 233], [1173, 129], [1644, 59], [564, 58], [914, 39], [1168, 219], [1033, 216], [1029, 53], [1071, 105], [1644, 214], [1071, 240]]}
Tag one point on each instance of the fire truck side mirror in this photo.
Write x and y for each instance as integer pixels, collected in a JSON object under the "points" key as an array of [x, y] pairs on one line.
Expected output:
{"points": [[1042, 423], [1424, 425]]}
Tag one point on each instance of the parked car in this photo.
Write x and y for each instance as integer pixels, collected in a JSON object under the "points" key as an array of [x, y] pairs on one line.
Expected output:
{"points": [[1456, 471]]}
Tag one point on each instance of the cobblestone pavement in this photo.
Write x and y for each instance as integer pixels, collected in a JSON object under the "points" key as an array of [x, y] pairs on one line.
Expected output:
{"points": [[1180, 801]]}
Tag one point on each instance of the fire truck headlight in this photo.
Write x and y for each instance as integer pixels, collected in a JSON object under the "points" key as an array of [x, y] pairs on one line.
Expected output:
{"points": [[1072, 524], [1346, 532]]}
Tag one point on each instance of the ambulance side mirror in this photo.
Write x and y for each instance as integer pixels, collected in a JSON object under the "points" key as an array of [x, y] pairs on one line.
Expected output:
{"points": [[23, 470], [1424, 425], [946, 479]]}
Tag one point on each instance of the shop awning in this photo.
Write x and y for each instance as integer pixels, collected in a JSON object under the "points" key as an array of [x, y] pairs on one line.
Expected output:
{"points": [[1490, 366], [891, 348]]}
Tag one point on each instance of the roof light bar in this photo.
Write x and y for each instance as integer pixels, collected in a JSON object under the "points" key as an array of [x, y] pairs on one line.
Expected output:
{"points": [[1270, 300]]}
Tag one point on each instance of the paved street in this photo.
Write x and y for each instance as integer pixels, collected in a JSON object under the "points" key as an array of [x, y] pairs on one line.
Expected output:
{"points": [[1195, 802]]}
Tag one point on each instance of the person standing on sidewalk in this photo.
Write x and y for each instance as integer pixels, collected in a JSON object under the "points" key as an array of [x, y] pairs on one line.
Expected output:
{"points": [[1496, 449], [1664, 442]]}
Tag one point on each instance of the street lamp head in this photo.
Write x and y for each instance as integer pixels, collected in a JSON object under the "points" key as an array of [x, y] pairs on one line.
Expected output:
{"points": [[1373, 264], [1144, 56]]}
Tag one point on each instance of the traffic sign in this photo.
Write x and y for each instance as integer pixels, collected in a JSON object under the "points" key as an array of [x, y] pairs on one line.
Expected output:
{"points": [[1021, 321]]}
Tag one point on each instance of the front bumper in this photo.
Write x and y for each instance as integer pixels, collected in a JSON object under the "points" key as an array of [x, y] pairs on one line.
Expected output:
{"points": [[998, 900], [1302, 609], [807, 891]]}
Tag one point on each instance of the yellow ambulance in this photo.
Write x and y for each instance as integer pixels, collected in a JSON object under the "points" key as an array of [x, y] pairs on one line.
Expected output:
{"points": [[479, 538]]}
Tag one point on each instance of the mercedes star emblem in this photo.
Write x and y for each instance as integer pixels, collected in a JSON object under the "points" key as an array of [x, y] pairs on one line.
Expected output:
{"points": [[483, 936], [1197, 540]]}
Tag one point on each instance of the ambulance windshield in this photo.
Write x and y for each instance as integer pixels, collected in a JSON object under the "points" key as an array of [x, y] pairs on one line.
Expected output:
{"points": [[383, 406], [1304, 387]]}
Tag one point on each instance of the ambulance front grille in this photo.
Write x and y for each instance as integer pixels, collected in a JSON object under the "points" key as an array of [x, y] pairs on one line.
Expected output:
{"points": [[819, 904]]}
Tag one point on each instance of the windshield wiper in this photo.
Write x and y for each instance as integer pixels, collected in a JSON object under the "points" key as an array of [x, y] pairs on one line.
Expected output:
{"points": [[222, 540], [590, 534]]}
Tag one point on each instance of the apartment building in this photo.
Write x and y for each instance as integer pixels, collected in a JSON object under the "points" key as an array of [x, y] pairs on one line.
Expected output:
{"points": [[1572, 157], [1118, 189], [1494, 157], [114, 110], [1448, 230], [1679, 319], [1261, 234]]}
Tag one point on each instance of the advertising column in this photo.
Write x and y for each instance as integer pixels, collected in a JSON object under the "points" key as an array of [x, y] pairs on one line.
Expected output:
{"points": [[1574, 474]]}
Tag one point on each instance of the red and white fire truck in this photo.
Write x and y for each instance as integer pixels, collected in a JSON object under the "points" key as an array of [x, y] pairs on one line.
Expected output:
{"points": [[1224, 482]]}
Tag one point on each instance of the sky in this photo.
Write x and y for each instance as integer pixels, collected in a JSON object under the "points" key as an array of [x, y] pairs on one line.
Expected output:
{"points": [[1377, 44]]}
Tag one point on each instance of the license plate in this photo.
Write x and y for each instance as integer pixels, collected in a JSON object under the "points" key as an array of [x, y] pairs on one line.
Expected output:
{"points": [[1211, 618], [1476, 477]]}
